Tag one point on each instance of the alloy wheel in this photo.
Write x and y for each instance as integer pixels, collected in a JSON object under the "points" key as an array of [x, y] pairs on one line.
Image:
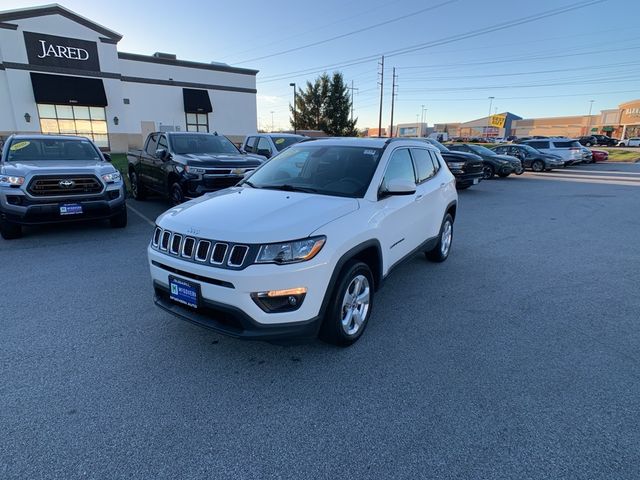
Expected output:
{"points": [[446, 238], [355, 305]]}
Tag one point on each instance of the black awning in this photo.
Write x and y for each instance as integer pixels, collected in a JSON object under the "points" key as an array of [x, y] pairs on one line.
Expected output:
{"points": [[196, 101], [62, 90]]}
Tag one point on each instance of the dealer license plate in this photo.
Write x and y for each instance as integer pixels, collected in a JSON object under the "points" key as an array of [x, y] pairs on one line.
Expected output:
{"points": [[185, 292], [71, 209]]}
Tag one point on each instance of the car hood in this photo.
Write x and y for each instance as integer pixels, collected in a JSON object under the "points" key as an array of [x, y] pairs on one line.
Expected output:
{"points": [[453, 155], [58, 167], [251, 215], [221, 159]]}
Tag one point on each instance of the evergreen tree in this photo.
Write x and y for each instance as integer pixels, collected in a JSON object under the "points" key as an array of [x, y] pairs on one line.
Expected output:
{"points": [[324, 105]]}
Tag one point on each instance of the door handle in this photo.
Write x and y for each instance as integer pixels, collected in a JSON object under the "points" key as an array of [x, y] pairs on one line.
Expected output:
{"points": [[418, 197]]}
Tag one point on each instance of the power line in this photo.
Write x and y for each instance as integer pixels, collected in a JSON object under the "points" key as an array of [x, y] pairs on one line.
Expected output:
{"points": [[348, 34], [444, 41]]}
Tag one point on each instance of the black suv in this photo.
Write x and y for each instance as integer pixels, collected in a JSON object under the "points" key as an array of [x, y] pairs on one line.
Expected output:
{"points": [[606, 141], [465, 166], [183, 165], [588, 140], [494, 164]]}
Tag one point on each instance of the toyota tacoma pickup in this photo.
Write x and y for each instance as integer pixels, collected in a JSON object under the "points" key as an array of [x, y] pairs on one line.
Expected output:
{"points": [[50, 179], [184, 165], [300, 246]]}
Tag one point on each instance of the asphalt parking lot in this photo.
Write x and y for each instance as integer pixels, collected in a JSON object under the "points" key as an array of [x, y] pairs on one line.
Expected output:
{"points": [[516, 358]]}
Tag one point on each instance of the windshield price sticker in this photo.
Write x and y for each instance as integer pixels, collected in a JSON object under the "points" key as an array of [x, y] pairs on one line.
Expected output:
{"points": [[369, 152], [279, 141], [18, 146]]}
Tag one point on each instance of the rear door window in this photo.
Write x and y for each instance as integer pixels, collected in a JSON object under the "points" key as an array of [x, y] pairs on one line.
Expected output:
{"points": [[538, 144], [251, 141], [424, 164], [567, 144]]}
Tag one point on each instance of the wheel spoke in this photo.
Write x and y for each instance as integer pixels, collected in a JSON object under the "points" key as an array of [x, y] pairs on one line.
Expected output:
{"points": [[346, 320], [363, 297], [357, 318]]}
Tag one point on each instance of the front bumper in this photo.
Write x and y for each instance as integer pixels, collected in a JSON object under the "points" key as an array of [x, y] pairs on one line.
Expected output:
{"points": [[465, 179], [18, 207], [226, 304]]}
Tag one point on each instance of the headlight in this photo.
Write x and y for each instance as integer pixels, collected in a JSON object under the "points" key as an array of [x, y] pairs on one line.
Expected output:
{"points": [[112, 177], [291, 252], [456, 165], [195, 170], [7, 181]]}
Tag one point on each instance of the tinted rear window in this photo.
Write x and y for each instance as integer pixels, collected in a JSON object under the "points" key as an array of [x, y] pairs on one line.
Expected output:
{"points": [[538, 144], [568, 144]]}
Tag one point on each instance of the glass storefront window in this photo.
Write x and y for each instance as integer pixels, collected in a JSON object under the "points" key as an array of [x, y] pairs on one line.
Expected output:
{"points": [[80, 120], [197, 122]]}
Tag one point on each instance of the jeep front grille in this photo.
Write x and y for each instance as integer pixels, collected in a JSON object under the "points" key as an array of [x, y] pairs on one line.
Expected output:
{"points": [[199, 250], [64, 185]]}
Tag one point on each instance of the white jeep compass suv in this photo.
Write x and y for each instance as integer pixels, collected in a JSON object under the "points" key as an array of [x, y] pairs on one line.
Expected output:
{"points": [[300, 246]]}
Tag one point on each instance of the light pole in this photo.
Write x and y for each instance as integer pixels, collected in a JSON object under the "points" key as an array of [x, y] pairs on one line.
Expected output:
{"points": [[424, 118], [489, 117], [295, 123], [272, 120], [589, 124]]}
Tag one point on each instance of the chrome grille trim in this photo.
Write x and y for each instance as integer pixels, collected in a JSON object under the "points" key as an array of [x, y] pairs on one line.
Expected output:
{"points": [[244, 255], [173, 241], [184, 245], [213, 251], [157, 234], [166, 235], [197, 257]]}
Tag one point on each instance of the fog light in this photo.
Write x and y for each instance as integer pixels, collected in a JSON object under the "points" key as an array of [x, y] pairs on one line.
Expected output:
{"points": [[274, 301], [14, 199]]}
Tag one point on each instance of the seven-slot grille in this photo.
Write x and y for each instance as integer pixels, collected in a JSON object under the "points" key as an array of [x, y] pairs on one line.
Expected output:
{"points": [[219, 254], [51, 186]]}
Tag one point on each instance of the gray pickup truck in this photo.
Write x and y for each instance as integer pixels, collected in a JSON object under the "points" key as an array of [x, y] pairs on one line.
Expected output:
{"points": [[50, 179], [184, 165]]}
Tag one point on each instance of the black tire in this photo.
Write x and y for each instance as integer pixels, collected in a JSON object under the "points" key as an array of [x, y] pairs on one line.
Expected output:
{"points": [[120, 220], [439, 254], [537, 166], [462, 187], [332, 330], [503, 175], [488, 172], [176, 195], [138, 190], [10, 230]]}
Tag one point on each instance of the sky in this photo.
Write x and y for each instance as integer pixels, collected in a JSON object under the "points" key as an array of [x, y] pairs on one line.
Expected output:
{"points": [[537, 58]]}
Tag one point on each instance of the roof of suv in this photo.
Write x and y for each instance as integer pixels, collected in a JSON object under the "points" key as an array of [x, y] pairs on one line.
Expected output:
{"points": [[371, 142], [43, 136]]}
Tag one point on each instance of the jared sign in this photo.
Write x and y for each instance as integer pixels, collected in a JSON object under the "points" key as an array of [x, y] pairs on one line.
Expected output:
{"points": [[61, 51]]}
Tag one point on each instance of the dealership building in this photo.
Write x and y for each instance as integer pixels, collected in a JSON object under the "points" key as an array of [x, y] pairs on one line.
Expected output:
{"points": [[62, 73]]}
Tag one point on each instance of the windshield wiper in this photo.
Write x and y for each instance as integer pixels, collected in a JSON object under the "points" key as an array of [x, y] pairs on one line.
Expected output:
{"points": [[247, 182], [290, 188]]}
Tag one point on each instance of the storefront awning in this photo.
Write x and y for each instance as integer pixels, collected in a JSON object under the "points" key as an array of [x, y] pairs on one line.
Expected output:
{"points": [[607, 129], [196, 101], [62, 90]]}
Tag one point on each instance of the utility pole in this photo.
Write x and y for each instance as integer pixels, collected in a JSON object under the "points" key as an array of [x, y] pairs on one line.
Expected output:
{"points": [[489, 117], [393, 97], [421, 118], [424, 118], [589, 125], [381, 83], [295, 120], [272, 120], [352, 92]]}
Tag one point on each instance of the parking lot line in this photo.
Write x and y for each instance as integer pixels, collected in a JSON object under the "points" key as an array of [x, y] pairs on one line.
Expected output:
{"points": [[141, 215], [582, 179]]}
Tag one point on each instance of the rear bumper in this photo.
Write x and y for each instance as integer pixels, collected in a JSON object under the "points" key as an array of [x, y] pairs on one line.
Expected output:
{"points": [[17, 207]]}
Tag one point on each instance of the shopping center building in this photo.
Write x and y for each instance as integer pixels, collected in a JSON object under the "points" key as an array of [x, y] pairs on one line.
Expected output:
{"points": [[62, 73], [621, 122]]}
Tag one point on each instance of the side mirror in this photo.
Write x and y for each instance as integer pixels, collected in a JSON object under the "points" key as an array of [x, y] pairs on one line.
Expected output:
{"points": [[107, 157], [399, 187], [161, 153], [264, 152]]}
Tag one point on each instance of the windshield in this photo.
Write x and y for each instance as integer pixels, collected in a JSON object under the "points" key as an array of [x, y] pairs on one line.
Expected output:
{"points": [[201, 143], [283, 142], [52, 149], [480, 150], [438, 145], [319, 168]]}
